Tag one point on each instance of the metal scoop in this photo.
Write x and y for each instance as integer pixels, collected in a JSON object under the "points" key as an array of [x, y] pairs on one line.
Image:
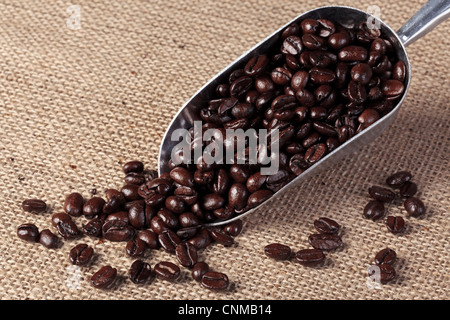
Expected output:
{"points": [[429, 16]]}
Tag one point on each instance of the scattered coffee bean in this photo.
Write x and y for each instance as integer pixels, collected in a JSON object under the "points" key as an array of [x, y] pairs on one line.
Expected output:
{"points": [[325, 241], [28, 232], [34, 205], [167, 270], [104, 277], [398, 179], [385, 256], [414, 207], [81, 254], [135, 247], [310, 257], [374, 210], [381, 194], [48, 239], [326, 225], [198, 270], [215, 280], [408, 189], [139, 271], [186, 254], [278, 251], [73, 205], [93, 207], [395, 224], [133, 166]]}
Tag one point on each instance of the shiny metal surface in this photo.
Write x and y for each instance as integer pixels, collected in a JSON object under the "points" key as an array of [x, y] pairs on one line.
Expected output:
{"points": [[346, 16]]}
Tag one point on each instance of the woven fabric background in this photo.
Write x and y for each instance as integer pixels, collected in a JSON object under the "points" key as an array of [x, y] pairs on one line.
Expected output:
{"points": [[76, 103]]}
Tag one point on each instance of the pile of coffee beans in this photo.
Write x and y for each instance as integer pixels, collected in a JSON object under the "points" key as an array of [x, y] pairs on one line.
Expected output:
{"points": [[384, 261], [319, 85], [126, 215], [381, 196], [327, 239]]}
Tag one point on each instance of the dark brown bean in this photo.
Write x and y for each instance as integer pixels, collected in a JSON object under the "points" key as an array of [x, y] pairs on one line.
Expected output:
{"points": [[167, 270], [361, 73], [278, 251], [199, 270], [353, 53], [139, 271], [374, 210], [149, 237], [385, 256], [326, 225], [408, 189], [310, 257], [325, 241], [133, 166], [186, 254], [28, 232], [215, 280], [48, 239], [117, 230], [131, 192], [93, 228], [135, 247], [73, 205], [395, 224], [256, 65], [381, 194], [234, 228], [414, 207], [104, 278], [65, 225], [34, 205], [81, 254], [315, 153], [222, 237], [93, 207], [258, 197], [168, 240], [398, 179]]}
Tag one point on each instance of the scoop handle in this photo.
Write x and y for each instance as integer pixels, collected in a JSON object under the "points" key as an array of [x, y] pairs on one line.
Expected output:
{"points": [[424, 20]]}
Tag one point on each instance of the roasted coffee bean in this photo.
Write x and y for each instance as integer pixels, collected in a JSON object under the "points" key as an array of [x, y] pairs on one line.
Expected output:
{"points": [[315, 153], [139, 214], [157, 225], [137, 178], [374, 210], [182, 176], [119, 215], [408, 189], [73, 205], [34, 205], [281, 76], [387, 273], [284, 102], [139, 271], [339, 40], [28, 232], [312, 41], [353, 53], [234, 228], [292, 45], [278, 251], [199, 270], [93, 228], [299, 80], [189, 195], [156, 186], [385, 256], [356, 92], [167, 270], [65, 225], [368, 117], [305, 97], [48, 239], [310, 257], [169, 218], [256, 65], [240, 86], [168, 240], [238, 196], [130, 192], [326, 225], [255, 182], [324, 128], [175, 204], [393, 88], [201, 240], [104, 278], [93, 207], [117, 230], [309, 26], [325, 241], [321, 75], [81, 254], [135, 247], [188, 219], [361, 73], [258, 197], [395, 224], [114, 201], [186, 254], [381, 194], [149, 237], [220, 236], [133, 166], [187, 232], [212, 201], [399, 71], [215, 280], [398, 179], [414, 207]]}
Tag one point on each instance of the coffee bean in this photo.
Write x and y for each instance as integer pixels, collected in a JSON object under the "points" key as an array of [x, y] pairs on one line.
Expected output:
{"points": [[322, 75], [175, 204], [310, 257], [137, 178], [28, 232], [234, 228], [135, 247], [325, 241], [278, 251], [48, 239], [387, 273], [215, 280], [292, 45], [339, 40], [73, 205], [408, 189], [149, 237], [186, 254], [212, 201], [414, 207], [381, 194], [114, 201], [399, 71], [104, 277], [368, 117], [201, 240], [374, 210], [238, 196], [256, 65], [393, 88], [281, 76], [258, 197], [240, 86], [168, 240], [326, 225], [315, 153], [199, 270], [93, 228], [139, 271], [353, 53], [65, 225], [222, 237], [117, 230], [130, 192], [93, 207], [182, 176], [398, 179], [167, 270], [395, 224], [34, 205], [385, 256], [361, 73], [81, 254], [133, 166]]}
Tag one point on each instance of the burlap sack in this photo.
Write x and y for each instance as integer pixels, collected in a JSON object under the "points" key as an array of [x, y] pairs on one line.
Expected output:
{"points": [[80, 97]]}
